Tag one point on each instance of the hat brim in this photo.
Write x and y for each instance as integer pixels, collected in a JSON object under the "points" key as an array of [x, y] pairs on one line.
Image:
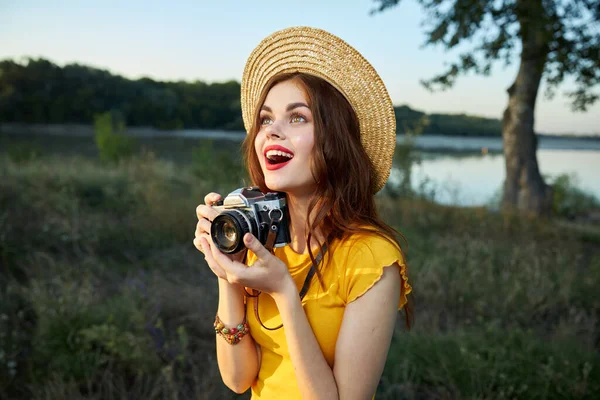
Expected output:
{"points": [[322, 54]]}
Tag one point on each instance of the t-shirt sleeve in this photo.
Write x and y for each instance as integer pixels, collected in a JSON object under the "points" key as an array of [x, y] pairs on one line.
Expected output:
{"points": [[367, 257]]}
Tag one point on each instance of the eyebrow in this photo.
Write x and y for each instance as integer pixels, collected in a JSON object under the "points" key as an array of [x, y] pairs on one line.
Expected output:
{"points": [[289, 107]]}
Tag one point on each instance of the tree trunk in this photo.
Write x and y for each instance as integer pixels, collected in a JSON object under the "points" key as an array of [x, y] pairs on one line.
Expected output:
{"points": [[524, 188]]}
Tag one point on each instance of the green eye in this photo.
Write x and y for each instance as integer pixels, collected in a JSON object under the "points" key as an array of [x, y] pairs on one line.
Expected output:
{"points": [[297, 118], [265, 121]]}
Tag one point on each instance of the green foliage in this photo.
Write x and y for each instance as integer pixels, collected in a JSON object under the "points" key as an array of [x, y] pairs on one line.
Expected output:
{"points": [[42, 92], [413, 122], [488, 364], [570, 200], [218, 166], [566, 40], [109, 132], [407, 119], [22, 152], [39, 91], [17, 323], [464, 125], [87, 315], [400, 183], [78, 335], [115, 301]]}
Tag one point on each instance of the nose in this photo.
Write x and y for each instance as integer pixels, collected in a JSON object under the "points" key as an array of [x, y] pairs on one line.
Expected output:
{"points": [[274, 131]]}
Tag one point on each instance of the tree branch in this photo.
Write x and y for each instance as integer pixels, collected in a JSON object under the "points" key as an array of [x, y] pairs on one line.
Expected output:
{"points": [[496, 28]]}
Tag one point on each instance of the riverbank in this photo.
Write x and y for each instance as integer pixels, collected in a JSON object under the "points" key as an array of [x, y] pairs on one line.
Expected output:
{"points": [[104, 295], [451, 177], [429, 142]]}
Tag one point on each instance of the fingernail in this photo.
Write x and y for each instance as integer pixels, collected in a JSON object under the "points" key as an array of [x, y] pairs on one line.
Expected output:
{"points": [[248, 238]]}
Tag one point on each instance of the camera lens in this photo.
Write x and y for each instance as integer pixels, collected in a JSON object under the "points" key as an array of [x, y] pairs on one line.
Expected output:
{"points": [[228, 230]]}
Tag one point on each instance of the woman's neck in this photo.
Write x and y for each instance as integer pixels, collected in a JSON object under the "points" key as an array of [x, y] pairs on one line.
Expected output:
{"points": [[298, 209]]}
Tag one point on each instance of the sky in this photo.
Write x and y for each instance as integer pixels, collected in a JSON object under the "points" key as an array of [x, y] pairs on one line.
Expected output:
{"points": [[210, 41]]}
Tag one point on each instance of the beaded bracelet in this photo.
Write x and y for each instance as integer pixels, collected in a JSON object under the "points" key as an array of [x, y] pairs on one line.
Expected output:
{"points": [[231, 335]]}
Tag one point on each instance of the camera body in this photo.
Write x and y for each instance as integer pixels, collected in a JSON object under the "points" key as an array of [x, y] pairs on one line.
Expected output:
{"points": [[249, 210]]}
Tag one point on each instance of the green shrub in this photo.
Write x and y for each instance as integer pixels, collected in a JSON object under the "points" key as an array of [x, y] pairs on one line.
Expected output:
{"points": [[116, 302], [223, 169], [17, 327], [569, 199], [111, 141], [488, 363], [81, 332], [23, 152]]}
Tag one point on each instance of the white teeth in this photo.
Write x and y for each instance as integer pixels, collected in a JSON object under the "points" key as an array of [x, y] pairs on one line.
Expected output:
{"points": [[272, 153]]}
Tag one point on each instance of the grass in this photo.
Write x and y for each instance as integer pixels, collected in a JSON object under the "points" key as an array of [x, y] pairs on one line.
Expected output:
{"points": [[104, 296]]}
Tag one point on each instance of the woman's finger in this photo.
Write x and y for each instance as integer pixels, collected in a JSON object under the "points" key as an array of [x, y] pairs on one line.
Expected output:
{"points": [[203, 226], [207, 212], [197, 244], [214, 266], [232, 268], [201, 244], [254, 245], [211, 198]]}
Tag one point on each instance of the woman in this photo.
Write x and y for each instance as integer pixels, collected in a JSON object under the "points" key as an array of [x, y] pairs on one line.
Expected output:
{"points": [[321, 128]]}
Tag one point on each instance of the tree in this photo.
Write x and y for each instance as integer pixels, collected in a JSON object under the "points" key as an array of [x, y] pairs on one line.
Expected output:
{"points": [[555, 38]]}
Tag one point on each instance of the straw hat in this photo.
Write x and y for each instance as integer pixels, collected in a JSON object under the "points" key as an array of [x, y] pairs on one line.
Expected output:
{"points": [[317, 52]]}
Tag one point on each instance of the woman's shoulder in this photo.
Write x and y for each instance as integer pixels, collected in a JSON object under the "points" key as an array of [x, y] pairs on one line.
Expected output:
{"points": [[362, 257], [368, 241]]}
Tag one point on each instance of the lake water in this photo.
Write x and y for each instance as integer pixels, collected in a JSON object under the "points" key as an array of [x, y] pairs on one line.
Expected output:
{"points": [[455, 168], [476, 179], [471, 171]]}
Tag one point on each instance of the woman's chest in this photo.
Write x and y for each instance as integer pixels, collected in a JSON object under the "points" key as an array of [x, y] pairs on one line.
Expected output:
{"points": [[324, 310]]}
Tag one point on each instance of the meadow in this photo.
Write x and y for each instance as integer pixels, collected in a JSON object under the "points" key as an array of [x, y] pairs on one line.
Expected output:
{"points": [[103, 295]]}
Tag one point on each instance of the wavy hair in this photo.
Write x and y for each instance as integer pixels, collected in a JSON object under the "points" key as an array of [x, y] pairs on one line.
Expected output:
{"points": [[343, 202]]}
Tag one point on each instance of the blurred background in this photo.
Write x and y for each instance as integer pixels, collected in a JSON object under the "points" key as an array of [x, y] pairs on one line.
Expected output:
{"points": [[117, 118]]}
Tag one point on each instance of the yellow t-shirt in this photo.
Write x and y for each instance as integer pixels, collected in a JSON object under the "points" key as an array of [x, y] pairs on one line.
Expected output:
{"points": [[355, 265]]}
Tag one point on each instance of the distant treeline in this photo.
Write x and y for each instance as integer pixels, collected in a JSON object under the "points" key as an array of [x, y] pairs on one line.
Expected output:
{"points": [[39, 91], [42, 92], [413, 121]]}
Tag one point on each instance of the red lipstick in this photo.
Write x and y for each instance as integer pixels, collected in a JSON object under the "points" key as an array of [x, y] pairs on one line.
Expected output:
{"points": [[276, 147], [273, 167]]}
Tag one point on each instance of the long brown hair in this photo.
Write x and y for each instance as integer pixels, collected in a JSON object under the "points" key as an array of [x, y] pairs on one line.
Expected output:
{"points": [[343, 202]]}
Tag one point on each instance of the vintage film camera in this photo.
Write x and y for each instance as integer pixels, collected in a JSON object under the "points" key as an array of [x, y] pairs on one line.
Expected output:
{"points": [[249, 210]]}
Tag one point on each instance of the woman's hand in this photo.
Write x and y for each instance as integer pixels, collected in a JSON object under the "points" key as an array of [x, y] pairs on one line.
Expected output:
{"points": [[268, 274], [203, 241]]}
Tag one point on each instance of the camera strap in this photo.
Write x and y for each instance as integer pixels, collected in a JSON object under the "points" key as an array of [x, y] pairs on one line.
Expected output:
{"points": [[273, 229]]}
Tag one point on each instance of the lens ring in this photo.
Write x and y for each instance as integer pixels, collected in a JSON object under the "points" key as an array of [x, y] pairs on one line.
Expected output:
{"points": [[228, 229]]}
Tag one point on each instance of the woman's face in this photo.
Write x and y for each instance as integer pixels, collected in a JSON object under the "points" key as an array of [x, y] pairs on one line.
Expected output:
{"points": [[285, 140]]}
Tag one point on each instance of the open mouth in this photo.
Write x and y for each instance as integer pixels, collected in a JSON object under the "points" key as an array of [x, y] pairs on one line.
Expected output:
{"points": [[275, 157]]}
